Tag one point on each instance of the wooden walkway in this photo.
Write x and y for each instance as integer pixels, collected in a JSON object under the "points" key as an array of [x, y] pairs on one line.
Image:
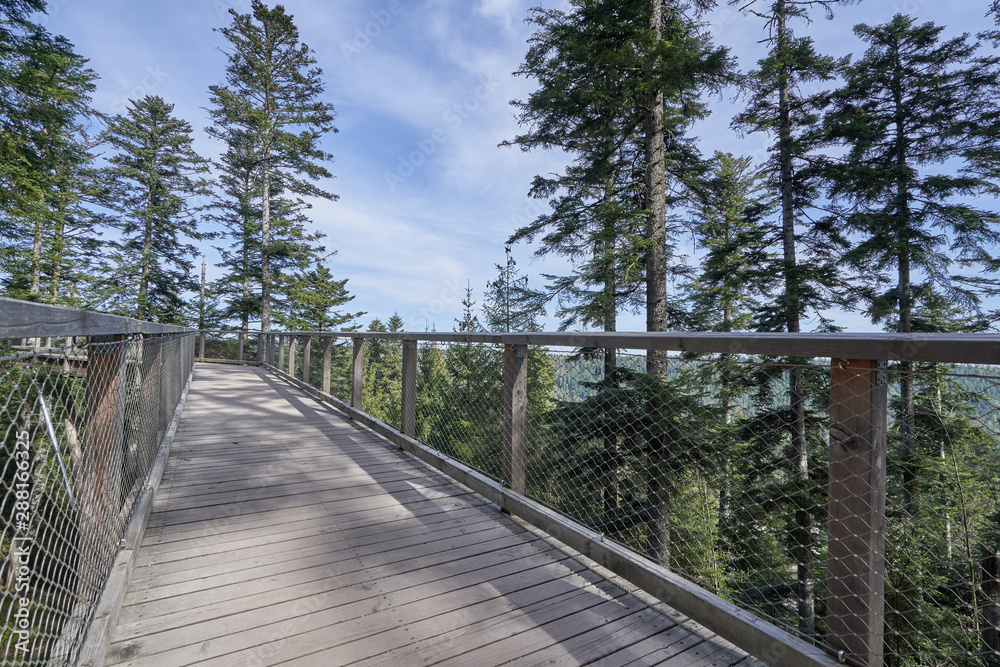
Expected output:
{"points": [[285, 534]]}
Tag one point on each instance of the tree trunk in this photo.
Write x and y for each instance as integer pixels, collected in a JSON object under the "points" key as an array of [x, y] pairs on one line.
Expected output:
{"points": [[265, 252], [147, 252], [658, 497], [796, 396]]}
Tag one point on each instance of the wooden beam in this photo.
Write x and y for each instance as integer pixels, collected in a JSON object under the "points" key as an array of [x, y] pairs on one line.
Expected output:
{"points": [[327, 350], [408, 418], [291, 356], [281, 351], [201, 345], [24, 319], [515, 412], [100, 480], [307, 359], [358, 373], [856, 530], [944, 348], [239, 347]]}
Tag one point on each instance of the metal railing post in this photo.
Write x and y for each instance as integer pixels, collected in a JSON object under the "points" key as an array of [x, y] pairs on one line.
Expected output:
{"points": [[327, 349], [358, 373], [855, 579], [408, 414], [515, 411]]}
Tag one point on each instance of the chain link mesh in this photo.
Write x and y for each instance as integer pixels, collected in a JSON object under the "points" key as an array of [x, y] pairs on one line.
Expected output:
{"points": [[718, 467], [81, 420]]}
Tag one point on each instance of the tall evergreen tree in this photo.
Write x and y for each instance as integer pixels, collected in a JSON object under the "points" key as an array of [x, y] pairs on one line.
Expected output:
{"points": [[271, 115], [619, 85], [154, 177], [806, 271], [915, 100], [46, 175]]}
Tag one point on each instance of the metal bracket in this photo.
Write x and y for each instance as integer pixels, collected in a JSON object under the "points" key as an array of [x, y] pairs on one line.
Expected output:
{"points": [[882, 376], [522, 351]]}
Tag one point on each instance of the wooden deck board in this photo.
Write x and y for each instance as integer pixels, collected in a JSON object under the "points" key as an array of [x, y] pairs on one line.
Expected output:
{"points": [[284, 534]]}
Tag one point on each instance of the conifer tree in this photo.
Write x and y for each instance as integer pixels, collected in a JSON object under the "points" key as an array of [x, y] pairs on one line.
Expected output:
{"points": [[154, 177], [271, 115], [46, 176], [915, 100], [808, 282]]}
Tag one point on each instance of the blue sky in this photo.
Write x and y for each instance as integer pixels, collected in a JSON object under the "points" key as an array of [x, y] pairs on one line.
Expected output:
{"points": [[422, 91]]}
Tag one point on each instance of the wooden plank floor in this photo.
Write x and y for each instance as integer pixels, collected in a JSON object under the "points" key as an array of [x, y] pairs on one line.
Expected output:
{"points": [[285, 534]]}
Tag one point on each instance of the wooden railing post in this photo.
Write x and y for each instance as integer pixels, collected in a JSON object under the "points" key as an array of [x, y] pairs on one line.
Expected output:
{"points": [[239, 349], [327, 349], [281, 352], [358, 373], [306, 358], [408, 418], [856, 552], [100, 481], [291, 356], [201, 344], [515, 411]]}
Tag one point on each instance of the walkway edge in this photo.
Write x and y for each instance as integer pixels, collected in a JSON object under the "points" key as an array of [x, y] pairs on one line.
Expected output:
{"points": [[746, 631], [109, 605]]}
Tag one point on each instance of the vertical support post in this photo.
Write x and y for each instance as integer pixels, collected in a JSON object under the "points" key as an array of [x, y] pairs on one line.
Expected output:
{"points": [[201, 344], [99, 491], [291, 356], [856, 556], [358, 373], [261, 353], [281, 352], [327, 350], [306, 359], [239, 348], [408, 419], [515, 415]]}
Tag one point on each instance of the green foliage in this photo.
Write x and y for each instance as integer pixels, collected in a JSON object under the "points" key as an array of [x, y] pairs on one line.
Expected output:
{"points": [[152, 178], [270, 115]]}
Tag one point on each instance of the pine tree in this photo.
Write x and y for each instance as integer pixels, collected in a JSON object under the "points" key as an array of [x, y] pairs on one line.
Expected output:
{"points": [[808, 282], [46, 175], [619, 85], [155, 175], [271, 116], [913, 101]]}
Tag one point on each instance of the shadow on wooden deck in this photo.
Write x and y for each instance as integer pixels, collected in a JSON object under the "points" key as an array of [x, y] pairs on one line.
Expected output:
{"points": [[283, 533]]}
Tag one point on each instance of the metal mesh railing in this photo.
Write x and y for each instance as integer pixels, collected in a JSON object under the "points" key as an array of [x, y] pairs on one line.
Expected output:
{"points": [[222, 345], [81, 421], [719, 468]]}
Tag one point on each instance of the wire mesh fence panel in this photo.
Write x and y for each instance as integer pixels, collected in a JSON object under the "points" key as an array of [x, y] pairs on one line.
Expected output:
{"points": [[855, 504], [458, 403], [82, 420], [383, 381], [229, 346]]}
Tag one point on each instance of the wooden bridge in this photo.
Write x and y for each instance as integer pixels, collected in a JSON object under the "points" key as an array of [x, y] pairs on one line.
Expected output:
{"points": [[263, 521], [284, 533]]}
